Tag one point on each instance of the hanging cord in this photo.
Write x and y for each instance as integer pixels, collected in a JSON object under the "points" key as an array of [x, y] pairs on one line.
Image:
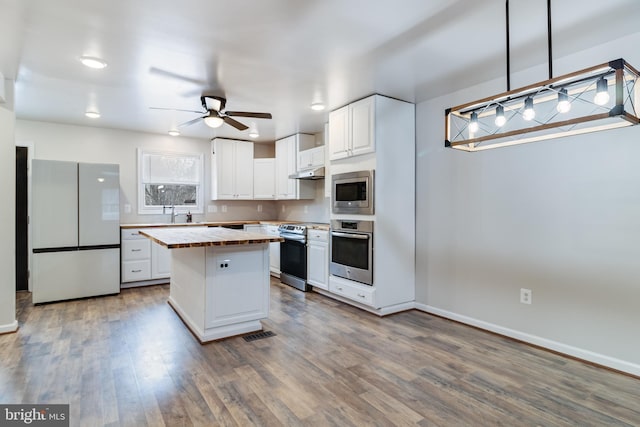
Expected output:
{"points": [[549, 39], [508, 47]]}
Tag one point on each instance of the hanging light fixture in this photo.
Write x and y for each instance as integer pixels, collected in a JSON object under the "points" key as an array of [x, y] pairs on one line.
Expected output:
{"points": [[572, 104], [564, 106], [602, 92], [529, 113]]}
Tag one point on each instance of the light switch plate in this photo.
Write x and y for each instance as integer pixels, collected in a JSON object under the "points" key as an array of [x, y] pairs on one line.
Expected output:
{"points": [[127, 208], [212, 209], [224, 208]]}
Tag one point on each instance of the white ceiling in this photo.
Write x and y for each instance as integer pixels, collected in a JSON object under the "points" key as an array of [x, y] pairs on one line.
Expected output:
{"points": [[274, 56]]}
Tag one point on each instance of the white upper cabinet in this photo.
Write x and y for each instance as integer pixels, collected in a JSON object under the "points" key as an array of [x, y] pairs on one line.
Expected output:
{"points": [[232, 169], [352, 129], [286, 164], [264, 179], [311, 158]]}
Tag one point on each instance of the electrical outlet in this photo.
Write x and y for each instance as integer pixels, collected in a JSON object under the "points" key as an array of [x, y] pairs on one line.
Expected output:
{"points": [[259, 208], [224, 208], [212, 208], [127, 208], [525, 296], [283, 209], [306, 209]]}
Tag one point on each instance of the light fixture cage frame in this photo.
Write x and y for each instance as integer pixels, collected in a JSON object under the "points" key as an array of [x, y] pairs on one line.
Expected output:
{"points": [[585, 116]]}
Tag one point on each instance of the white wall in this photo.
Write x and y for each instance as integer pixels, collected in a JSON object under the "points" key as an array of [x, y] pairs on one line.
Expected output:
{"points": [[7, 215], [90, 144], [561, 218]]}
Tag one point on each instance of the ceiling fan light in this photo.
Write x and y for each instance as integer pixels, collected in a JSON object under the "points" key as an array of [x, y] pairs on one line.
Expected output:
{"points": [[174, 132], [317, 106], [213, 121], [93, 62], [92, 114], [602, 92]]}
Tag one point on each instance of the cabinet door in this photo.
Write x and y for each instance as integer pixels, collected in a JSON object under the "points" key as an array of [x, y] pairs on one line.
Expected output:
{"points": [[286, 154], [243, 169], [362, 115], [223, 185], [339, 133], [318, 264], [264, 179], [160, 261]]}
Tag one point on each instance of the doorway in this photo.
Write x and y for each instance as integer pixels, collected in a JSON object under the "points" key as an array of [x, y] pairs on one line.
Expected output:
{"points": [[22, 220]]}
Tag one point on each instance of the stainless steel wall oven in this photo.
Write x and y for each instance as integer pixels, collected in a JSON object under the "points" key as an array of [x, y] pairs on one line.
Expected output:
{"points": [[352, 250]]}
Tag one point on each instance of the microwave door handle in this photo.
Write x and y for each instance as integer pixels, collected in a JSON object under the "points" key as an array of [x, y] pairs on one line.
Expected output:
{"points": [[350, 235]]}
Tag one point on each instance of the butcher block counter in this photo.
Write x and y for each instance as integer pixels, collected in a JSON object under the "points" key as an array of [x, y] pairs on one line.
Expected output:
{"points": [[193, 237], [219, 278]]}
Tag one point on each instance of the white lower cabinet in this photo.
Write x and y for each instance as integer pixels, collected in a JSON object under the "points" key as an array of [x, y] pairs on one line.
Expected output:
{"points": [[160, 261], [318, 258], [274, 248], [141, 259]]}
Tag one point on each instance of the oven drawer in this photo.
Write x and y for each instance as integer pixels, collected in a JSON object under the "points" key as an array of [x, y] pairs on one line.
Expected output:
{"points": [[361, 293]]}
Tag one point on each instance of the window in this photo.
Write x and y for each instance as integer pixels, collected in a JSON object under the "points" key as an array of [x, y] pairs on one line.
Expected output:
{"points": [[169, 179]]}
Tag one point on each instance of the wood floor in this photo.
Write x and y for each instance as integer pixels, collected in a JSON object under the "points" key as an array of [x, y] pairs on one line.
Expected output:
{"points": [[129, 360]]}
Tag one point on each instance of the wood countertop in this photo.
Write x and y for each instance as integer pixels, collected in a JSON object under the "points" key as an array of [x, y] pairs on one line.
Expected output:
{"points": [[193, 237], [190, 224], [318, 226]]}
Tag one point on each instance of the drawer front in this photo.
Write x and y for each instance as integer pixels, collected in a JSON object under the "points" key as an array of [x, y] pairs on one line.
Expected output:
{"points": [[130, 234], [136, 249], [318, 235], [353, 292], [133, 271]]}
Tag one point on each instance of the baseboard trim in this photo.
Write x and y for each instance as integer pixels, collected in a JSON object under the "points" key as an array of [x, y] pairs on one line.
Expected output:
{"points": [[575, 352], [9, 328]]}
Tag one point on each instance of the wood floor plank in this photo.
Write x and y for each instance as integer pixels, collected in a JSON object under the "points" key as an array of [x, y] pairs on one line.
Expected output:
{"points": [[128, 359]]}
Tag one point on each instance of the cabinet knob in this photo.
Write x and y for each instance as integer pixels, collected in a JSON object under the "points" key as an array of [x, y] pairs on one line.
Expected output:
{"points": [[339, 288], [361, 295], [136, 250], [136, 271]]}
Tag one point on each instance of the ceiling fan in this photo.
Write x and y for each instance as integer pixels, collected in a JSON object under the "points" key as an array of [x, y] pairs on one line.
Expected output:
{"points": [[214, 114]]}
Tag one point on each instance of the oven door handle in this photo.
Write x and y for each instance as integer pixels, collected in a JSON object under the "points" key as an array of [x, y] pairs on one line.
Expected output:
{"points": [[296, 237], [350, 235]]}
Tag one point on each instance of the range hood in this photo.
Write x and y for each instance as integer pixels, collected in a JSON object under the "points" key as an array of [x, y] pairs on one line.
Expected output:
{"points": [[315, 173]]}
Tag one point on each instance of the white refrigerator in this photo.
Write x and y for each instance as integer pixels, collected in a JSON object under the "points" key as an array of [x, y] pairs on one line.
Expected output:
{"points": [[75, 223]]}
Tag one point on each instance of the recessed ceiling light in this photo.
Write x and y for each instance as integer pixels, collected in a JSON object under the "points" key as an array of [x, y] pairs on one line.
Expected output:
{"points": [[254, 134], [174, 132], [92, 114], [93, 62], [317, 106]]}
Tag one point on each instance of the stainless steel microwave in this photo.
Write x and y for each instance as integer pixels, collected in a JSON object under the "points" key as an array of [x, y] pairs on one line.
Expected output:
{"points": [[352, 193]]}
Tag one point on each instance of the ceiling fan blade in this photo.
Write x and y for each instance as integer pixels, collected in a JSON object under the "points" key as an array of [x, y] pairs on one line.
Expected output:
{"points": [[236, 124], [248, 114], [190, 122], [175, 109]]}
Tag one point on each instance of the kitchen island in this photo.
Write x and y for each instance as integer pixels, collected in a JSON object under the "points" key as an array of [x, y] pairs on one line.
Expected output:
{"points": [[219, 278]]}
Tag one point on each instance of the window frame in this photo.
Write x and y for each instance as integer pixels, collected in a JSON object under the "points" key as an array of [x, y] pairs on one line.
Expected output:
{"points": [[143, 209]]}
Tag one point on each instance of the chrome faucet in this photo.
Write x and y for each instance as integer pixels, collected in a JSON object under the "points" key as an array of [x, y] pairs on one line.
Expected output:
{"points": [[173, 213]]}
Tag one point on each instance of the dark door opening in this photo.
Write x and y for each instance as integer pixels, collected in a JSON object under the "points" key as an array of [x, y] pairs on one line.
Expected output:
{"points": [[22, 222]]}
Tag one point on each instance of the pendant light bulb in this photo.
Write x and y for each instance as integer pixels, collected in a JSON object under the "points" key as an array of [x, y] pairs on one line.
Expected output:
{"points": [[602, 92], [473, 123], [529, 113], [563, 102], [500, 118]]}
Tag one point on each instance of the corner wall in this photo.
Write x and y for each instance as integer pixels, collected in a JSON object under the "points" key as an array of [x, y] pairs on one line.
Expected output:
{"points": [[8, 321], [558, 217]]}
